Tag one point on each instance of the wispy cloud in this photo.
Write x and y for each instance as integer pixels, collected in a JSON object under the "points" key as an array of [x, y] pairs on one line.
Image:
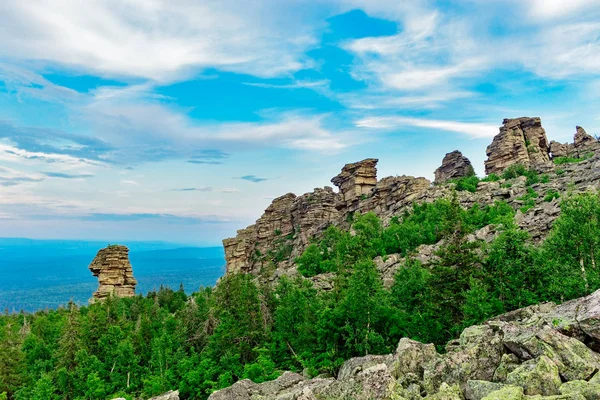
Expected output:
{"points": [[67, 176], [253, 178], [476, 130], [194, 189]]}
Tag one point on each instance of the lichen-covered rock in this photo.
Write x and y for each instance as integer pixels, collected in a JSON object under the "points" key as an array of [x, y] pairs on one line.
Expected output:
{"points": [[115, 274], [477, 390], [520, 141], [506, 393], [591, 391], [410, 358], [477, 359], [539, 376], [446, 392], [454, 165]]}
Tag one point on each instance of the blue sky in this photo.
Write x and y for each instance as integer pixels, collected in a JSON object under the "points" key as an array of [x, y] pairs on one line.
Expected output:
{"points": [[181, 120]]}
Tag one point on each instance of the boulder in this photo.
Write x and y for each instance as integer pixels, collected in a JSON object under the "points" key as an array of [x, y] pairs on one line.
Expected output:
{"points": [[538, 376], [454, 165], [410, 358], [354, 366], [506, 393]]}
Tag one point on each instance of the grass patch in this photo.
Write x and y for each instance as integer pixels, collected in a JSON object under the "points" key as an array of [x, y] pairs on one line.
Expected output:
{"points": [[528, 200], [572, 160]]}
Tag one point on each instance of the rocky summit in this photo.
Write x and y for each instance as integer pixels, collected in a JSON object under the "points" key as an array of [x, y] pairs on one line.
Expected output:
{"points": [[545, 351], [269, 247], [114, 272]]}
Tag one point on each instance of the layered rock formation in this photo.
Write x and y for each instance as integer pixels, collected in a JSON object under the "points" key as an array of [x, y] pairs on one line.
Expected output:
{"points": [[539, 352], [356, 181], [454, 165], [520, 141], [115, 276]]}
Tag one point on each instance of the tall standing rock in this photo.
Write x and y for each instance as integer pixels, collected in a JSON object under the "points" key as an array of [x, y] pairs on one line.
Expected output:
{"points": [[115, 275], [454, 165], [520, 141]]}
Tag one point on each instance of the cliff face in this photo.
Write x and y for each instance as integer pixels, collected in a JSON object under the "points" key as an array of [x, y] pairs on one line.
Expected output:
{"points": [[539, 352], [283, 232], [114, 272]]}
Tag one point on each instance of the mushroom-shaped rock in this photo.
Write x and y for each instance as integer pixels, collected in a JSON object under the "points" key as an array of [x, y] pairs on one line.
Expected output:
{"points": [[454, 165], [114, 272]]}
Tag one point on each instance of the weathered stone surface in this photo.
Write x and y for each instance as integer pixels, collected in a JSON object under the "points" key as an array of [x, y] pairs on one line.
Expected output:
{"points": [[591, 391], [506, 393], [115, 274], [520, 141], [454, 165]]}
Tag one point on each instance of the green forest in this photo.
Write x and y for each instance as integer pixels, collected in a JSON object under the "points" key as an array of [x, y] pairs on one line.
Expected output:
{"points": [[145, 346]]}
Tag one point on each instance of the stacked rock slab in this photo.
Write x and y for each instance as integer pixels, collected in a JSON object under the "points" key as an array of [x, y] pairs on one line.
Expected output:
{"points": [[356, 180], [454, 165], [539, 352], [520, 141], [115, 275]]}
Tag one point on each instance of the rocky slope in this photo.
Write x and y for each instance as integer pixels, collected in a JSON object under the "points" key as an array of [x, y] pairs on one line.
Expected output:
{"points": [[539, 352], [115, 274], [268, 248]]}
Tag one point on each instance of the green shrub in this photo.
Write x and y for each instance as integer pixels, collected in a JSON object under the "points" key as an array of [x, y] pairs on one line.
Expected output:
{"points": [[544, 178], [516, 170], [466, 183], [560, 172], [551, 195], [491, 178]]}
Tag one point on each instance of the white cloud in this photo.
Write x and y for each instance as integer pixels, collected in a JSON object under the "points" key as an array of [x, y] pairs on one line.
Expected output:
{"points": [[475, 130], [548, 9], [158, 39]]}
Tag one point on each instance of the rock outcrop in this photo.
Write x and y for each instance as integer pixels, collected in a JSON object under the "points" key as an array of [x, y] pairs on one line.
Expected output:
{"points": [[269, 247], [538, 352], [454, 165], [583, 144], [115, 275], [520, 141]]}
